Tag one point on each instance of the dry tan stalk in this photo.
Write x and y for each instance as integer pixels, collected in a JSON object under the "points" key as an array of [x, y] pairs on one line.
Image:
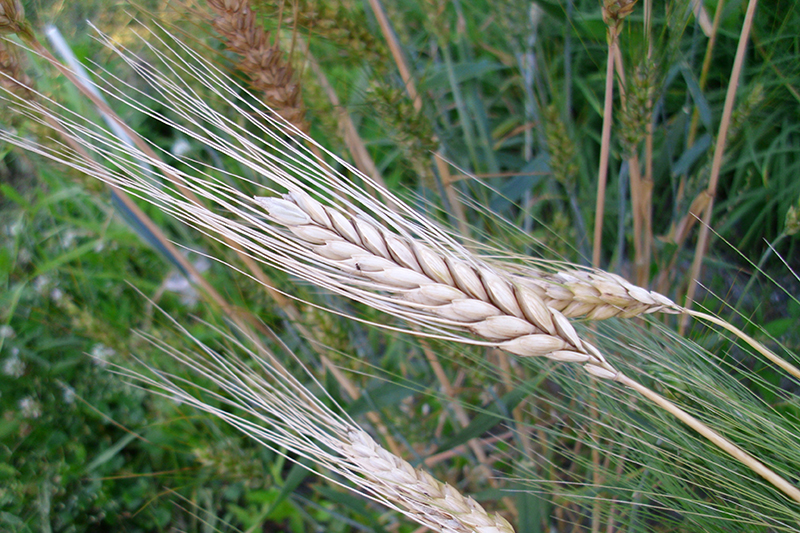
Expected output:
{"points": [[605, 147], [269, 73], [716, 164], [444, 289]]}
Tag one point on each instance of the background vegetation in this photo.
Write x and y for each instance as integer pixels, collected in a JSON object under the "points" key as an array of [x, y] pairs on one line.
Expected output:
{"points": [[511, 94]]}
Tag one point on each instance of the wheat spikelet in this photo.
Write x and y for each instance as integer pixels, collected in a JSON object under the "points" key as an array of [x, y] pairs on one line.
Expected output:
{"points": [[595, 294], [282, 413]]}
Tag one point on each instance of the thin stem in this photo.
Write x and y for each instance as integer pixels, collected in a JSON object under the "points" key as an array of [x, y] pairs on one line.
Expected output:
{"points": [[718, 440], [712, 40], [716, 165], [760, 348], [647, 183], [605, 146]]}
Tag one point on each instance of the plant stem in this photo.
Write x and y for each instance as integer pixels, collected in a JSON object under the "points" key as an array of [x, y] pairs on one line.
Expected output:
{"points": [[705, 70], [760, 348], [716, 164], [718, 440], [647, 182], [605, 146]]}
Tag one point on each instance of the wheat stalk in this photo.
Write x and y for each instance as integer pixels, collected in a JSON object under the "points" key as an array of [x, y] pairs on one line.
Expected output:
{"points": [[283, 415]]}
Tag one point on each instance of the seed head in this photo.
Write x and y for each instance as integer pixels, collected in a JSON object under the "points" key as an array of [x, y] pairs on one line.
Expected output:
{"points": [[12, 16], [792, 224], [614, 11]]}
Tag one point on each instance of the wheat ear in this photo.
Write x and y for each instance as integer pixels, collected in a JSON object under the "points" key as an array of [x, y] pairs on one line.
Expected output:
{"points": [[440, 288], [269, 73], [282, 414]]}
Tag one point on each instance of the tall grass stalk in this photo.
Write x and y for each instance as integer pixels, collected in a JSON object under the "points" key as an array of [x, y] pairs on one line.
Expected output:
{"points": [[716, 164]]}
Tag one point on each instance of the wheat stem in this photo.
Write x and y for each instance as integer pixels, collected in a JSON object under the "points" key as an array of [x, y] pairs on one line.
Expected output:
{"points": [[716, 164], [718, 440], [605, 148], [763, 350]]}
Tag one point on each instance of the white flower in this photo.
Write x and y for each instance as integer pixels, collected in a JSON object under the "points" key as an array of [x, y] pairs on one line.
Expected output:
{"points": [[30, 408], [6, 332], [40, 283], [13, 366], [101, 353], [68, 238], [69, 393]]}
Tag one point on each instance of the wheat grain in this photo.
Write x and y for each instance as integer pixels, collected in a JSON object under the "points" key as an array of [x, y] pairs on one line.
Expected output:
{"points": [[282, 413]]}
